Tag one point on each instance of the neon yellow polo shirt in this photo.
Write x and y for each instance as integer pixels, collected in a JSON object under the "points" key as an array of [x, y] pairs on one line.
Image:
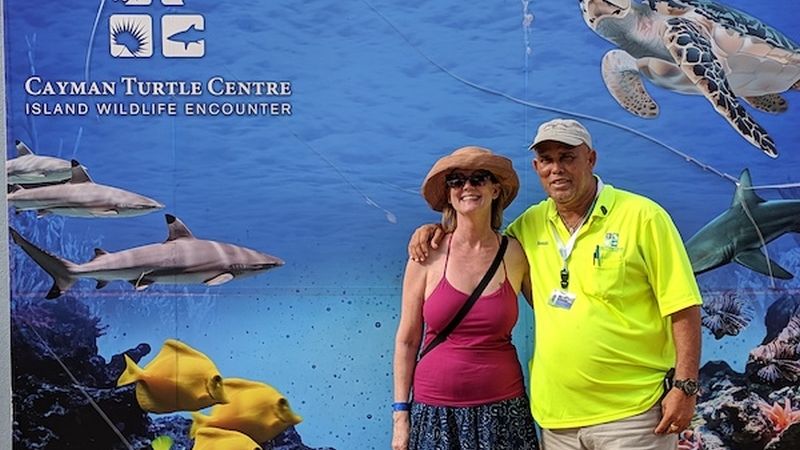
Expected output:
{"points": [[604, 358]]}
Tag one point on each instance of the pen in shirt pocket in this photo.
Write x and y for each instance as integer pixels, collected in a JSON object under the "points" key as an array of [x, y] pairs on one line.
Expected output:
{"points": [[596, 256]]}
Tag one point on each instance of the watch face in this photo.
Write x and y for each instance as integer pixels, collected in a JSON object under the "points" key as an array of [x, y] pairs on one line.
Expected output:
{"points": [[688, 386]]}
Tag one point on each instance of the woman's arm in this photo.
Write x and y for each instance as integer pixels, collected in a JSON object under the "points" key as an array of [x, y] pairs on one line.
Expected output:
{"points": [[407, 341]]}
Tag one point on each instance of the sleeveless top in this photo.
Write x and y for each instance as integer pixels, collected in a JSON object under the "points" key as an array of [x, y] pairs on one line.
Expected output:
{"points": [[477, 364]]}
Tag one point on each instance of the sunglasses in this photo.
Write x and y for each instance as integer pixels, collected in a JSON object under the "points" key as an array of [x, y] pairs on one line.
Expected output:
{"points": [[476, 179]]}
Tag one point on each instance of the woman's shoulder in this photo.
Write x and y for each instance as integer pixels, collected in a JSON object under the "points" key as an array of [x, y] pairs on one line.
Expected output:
{"points": [[437, 255]]}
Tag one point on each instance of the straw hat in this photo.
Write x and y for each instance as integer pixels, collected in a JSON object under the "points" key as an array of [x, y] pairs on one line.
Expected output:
{"points": [[470, 158]]}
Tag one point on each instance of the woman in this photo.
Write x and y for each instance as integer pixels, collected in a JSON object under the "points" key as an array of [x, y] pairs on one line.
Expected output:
{"points": [[468, 391]]}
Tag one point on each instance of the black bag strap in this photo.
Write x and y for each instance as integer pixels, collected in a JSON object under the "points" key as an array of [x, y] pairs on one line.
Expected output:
{"points": [[470, 301]]}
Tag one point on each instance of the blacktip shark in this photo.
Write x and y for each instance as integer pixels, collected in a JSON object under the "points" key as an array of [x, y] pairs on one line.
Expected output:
{"points": [[731, 236], [181, 259], [81, 197], [29, 168]]}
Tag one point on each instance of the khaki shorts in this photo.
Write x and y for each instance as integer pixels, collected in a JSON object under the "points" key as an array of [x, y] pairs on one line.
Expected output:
{"points": [[632, 433]]}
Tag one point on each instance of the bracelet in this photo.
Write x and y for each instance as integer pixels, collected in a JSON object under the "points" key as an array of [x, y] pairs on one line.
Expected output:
{"points": [[401, 406]]}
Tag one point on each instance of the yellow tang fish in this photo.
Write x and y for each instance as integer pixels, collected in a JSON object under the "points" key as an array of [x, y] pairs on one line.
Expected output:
{"points": [[208, 438], [179, 378], [162, 443], [255, 409]]}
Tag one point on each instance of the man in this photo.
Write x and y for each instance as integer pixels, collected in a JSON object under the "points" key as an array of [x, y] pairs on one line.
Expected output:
{"points": [[615, 301]]}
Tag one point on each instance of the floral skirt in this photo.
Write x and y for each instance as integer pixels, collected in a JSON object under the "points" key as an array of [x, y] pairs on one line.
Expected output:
{"points": [[505, 425]]}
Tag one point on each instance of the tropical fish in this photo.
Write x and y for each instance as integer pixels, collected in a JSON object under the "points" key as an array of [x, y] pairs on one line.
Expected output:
{"points": [[255, 409], [188, 36], [181, 259], [162, 443], [81, 197], [179, 378], [725, 315], [208, 438], [28, 168]]}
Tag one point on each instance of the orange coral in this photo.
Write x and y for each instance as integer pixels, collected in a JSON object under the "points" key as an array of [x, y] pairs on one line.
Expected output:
{"points": [[780, 416]]}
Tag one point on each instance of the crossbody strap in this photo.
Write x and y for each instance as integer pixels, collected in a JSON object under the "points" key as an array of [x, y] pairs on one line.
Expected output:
{"points": [[470, 301]]}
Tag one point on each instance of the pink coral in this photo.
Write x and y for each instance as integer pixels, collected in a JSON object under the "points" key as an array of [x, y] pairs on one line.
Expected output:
{"points": [[780, 416], [690, 440]]}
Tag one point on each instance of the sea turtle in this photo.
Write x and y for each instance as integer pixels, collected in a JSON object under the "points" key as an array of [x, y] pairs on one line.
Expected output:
{"points": [[696, 47]]}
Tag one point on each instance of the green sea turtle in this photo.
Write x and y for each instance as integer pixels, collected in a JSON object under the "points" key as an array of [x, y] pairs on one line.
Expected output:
{"points": [[696, 47]]}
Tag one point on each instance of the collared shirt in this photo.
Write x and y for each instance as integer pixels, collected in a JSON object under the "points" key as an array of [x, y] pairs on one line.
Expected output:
{"points": [[604, 357]]}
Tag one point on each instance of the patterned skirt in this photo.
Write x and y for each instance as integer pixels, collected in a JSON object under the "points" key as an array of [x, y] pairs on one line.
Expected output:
{"points": [[505, 425]]}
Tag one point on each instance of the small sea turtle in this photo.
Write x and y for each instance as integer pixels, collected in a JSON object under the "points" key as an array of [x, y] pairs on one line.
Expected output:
{"points": [[696, 47]]}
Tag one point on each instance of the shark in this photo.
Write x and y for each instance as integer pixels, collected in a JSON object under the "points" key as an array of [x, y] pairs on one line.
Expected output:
{"points": [[731, 236], [29, 168], [181, 259], [81, 197], [188, 36]]}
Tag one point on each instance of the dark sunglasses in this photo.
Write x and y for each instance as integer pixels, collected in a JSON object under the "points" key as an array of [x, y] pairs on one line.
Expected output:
{"points": [[476, 179]]}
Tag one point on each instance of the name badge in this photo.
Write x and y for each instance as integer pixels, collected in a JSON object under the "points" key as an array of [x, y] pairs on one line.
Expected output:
{"points": [[562, 299]]}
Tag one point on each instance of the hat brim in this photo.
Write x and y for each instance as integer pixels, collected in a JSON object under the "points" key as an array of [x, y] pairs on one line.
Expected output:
{"points": [[571, 141], [434, 189]]}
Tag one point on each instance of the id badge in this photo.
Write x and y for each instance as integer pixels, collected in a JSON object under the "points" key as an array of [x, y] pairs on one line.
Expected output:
{"points": [[562, 299]]}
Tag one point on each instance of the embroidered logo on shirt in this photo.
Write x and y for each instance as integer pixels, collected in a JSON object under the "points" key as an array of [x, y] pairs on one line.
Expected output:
{"points": [[612, 240]]}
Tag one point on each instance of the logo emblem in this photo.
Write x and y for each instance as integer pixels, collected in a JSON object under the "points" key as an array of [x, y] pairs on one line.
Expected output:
{"points": [[612, 240], [182, 36], [131, 35]]}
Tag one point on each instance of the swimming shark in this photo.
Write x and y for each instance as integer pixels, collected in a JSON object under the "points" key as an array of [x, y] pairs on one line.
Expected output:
{"points": [[29, 168], [731, 236], [181, 259], [188, 36], [81, 197]]}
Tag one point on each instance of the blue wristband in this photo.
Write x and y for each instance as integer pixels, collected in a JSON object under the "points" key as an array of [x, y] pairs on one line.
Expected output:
{"points": [[401, 406]]}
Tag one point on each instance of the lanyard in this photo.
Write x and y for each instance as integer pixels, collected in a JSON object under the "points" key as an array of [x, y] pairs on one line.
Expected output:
{"points": [[565, 250]]}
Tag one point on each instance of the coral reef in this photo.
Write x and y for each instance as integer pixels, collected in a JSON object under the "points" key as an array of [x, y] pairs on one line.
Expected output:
{"points": [[758, 409], [51, 410]]}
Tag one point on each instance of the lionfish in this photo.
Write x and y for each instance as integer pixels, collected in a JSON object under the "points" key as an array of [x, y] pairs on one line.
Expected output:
{"points": [[780, 359], [725, 314]]}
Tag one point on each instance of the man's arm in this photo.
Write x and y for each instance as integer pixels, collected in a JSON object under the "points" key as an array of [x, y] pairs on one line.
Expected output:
{"points": [[424, 238], [677, 407]]}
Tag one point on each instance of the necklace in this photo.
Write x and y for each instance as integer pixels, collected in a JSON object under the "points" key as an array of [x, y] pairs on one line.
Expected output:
{"points": [[570, 228]]}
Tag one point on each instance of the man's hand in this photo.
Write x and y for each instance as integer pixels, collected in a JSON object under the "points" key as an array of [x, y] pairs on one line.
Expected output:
{"points": [[677, 410], [400, 430], [428, 234]]}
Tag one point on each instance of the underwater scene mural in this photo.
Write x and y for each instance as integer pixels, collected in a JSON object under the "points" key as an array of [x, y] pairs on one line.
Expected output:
{"points": [[262, 164]]}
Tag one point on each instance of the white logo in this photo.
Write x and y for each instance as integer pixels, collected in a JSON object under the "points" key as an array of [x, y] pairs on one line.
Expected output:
{"points": [[131, 35], [182, 36]]}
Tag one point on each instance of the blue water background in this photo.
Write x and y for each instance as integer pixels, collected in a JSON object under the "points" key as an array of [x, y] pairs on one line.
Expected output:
{"points": [[370, 116]]}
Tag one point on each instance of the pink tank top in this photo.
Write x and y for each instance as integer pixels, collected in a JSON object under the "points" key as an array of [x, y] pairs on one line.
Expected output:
{"points": [[477, 364]]}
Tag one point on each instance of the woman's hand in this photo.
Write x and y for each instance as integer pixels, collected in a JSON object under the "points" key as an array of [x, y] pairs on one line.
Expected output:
{"points": [[400, 430]]}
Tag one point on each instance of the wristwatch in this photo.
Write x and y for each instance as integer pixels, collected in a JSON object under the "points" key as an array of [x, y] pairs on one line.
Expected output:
{"points": [[689, 386]]}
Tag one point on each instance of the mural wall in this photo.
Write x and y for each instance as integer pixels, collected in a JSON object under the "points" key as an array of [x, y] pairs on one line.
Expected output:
{"points": [[223, 192]]}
